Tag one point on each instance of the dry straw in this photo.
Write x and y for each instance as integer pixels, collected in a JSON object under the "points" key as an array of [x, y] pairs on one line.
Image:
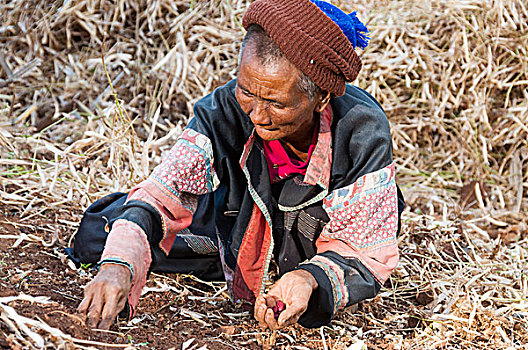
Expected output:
{"points": [[451, 75]]}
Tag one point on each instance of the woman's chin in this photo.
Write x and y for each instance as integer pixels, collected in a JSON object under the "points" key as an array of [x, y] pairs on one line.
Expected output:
{"points": [[268, 135]]}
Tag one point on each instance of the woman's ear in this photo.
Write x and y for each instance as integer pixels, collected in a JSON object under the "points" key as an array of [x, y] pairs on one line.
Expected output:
{"points": [[324, 99]]}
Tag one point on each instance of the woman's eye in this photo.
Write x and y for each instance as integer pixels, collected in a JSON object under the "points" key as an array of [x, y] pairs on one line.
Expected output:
{"points": [[277, 105]]}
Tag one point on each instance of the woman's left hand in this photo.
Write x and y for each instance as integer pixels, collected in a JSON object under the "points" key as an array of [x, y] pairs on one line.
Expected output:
{"points": [[294, 290]]}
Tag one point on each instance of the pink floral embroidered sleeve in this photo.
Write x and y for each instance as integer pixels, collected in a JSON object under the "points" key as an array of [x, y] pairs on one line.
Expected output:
{"points": [[186, 172], [361, 234], [358, 248], [364, 221]]}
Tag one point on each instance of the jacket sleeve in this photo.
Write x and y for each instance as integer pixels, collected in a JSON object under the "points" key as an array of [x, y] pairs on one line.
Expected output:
{"points": [[358, 248], [164, 204], [160, 207]]}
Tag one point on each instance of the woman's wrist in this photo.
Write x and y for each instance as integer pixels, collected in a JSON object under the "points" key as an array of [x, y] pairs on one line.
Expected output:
{"points": [[306, 275], [118, 269]]}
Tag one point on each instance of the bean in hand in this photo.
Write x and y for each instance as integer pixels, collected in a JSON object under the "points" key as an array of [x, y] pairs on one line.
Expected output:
{"points": [[278, 308]]}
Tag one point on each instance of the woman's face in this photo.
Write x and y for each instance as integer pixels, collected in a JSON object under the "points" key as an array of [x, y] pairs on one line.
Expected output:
{"points": [[269, 95]]}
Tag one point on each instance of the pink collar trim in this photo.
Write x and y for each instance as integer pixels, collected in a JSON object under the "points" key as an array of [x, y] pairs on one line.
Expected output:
{"points": [[318, 172]]}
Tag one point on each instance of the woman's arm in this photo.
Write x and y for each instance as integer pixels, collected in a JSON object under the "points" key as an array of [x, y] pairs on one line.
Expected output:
{"points": [[155, 211], [358, 248]]}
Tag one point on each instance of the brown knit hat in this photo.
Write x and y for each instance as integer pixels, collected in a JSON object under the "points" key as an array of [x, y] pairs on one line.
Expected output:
{"points": [[309, 39]]}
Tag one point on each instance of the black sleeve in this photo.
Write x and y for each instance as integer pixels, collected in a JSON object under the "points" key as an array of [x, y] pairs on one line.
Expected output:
{"points": [[362, 144], [359, 281]]}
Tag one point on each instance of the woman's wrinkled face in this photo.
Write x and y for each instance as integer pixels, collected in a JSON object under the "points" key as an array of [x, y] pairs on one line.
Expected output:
{"points": [[270, 96]]}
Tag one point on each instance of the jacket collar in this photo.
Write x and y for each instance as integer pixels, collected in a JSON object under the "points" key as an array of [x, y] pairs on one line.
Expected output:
{"points": [[318, 172]]}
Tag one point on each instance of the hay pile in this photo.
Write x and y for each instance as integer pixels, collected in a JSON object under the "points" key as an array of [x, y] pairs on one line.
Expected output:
{"points": [[452, 77], [160, 57]]}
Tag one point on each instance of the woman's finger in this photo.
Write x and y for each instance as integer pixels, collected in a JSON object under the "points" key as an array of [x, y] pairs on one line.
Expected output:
{"points": [[106, 295], [260, 311], [121, 304], [94, 311], [109, 313], [290, 315], [270, 300], [85, 303], [270, 319]]}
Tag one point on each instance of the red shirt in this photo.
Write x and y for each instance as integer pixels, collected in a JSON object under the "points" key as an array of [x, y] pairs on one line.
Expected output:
{"points": [[280, 164]]}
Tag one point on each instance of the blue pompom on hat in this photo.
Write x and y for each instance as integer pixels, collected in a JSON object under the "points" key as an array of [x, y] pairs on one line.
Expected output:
{"points": [[349, 24]]}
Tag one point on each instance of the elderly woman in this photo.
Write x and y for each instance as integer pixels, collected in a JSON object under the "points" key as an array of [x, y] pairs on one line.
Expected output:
{"points": [[285, 163]]}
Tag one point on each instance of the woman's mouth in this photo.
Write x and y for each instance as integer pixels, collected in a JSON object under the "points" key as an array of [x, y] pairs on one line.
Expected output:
{"points": [[267, 128]]}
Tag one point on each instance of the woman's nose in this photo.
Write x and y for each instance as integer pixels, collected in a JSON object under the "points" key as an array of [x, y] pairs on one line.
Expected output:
{"points": [[259, 114]]}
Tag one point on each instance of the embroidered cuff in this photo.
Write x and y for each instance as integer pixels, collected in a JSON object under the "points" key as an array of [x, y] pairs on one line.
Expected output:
{"points": [[320, 308], [334, 291], [364, 222]]}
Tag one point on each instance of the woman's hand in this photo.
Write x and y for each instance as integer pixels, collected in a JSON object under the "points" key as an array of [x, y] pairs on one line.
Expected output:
{"points": [[105, 296], [294, 289]]}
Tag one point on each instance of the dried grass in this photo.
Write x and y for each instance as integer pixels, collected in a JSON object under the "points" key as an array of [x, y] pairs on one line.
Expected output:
{"points": [[452, 77]]}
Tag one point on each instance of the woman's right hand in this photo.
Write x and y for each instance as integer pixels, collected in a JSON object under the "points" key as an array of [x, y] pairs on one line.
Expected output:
{"points": [[105, 296]]}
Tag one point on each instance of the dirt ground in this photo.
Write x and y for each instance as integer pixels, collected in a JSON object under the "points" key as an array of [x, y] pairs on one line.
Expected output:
{"points": [[34, 269], [176, 312], [181, 312]]}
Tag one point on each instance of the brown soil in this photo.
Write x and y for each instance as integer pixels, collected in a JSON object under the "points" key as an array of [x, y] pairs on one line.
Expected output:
{"points": [[34, 269]]}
